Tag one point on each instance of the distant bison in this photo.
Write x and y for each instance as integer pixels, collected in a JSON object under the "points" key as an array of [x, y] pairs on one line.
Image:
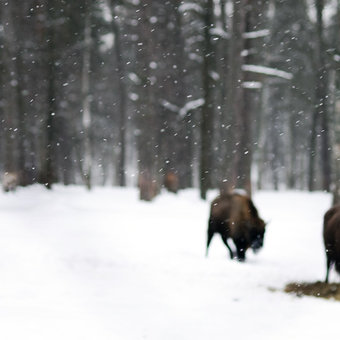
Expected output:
{"points": [[148, 188], [235, 216], [10, 181], [331, 237], [171, 182]]}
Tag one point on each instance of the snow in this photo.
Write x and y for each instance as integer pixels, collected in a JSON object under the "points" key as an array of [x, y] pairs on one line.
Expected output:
{"points": [[214, 75], [267, 71], [183, 111], [220, 32], [169, 106], [134, 78], [191, 6], [102, 265], [191, 105], [107, 40], [252, 85], [256, 34]]}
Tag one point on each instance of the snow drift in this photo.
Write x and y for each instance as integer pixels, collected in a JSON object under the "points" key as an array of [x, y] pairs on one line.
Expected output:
{"points": [[103, 265]]}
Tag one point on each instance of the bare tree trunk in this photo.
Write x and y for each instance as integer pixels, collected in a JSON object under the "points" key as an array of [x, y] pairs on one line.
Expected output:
{"points": [[147, 119], [336, 190], [336, 155], [240, 178], [121, 176], [320, 120], [22, 121], [224, 123], [322, 93], [86, 105], [208, 107], [183, 159], [10, 91], [15, 66], [47, 173]]}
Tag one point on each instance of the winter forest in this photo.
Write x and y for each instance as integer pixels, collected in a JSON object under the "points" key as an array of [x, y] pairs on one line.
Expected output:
{"points": [[208, 93], [106, 105]]}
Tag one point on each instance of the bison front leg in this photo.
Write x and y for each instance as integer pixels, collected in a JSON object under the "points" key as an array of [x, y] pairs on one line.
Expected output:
{"points": [[241, 247]]}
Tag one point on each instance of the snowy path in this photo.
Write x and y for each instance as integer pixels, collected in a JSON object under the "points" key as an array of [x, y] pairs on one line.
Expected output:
{"points": [[102, 265]]}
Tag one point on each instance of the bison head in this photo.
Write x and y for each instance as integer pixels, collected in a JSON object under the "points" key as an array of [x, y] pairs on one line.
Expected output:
{"points": [[257, 234]]}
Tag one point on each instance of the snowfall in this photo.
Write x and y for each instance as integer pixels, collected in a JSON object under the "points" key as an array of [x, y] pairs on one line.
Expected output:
{"points": [[80, 265]]}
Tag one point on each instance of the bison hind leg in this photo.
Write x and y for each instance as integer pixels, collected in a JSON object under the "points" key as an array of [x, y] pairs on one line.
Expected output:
{"points": [[329, 263], [241, 255], [225, 241], [336, 264], [209, 238]]}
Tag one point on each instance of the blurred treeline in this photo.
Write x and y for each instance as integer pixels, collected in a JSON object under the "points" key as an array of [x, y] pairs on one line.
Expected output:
{"points": [[215, 93]]}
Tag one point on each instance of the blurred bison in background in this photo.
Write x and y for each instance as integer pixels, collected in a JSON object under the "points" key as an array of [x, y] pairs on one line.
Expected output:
{"points": [[148, 188], [10, 181], [171, 182], [331, 237], [234, 216]]}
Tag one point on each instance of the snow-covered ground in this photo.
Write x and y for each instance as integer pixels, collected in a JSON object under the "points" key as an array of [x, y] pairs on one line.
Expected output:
{"points": [[102, 265]]}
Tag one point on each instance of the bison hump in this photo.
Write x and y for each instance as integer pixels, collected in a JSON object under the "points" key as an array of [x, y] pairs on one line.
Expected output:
{"points": [[220, 208]]}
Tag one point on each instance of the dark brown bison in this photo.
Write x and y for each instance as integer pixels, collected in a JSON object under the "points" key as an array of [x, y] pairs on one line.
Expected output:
{"points": [[171, 182], [331, 237], [235, 216]]}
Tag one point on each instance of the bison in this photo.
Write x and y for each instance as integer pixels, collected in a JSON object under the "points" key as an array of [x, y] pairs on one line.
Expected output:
{"points": [[331, 237], [234, 216], [171, 182], [148, 188], [10, 181]]}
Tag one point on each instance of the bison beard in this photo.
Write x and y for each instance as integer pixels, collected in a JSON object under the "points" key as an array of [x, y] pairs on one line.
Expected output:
{"points": [[235, 216], [331, 237]]}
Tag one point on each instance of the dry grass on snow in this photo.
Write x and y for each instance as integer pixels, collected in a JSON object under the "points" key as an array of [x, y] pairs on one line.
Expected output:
{"points": [[316, 289]]}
